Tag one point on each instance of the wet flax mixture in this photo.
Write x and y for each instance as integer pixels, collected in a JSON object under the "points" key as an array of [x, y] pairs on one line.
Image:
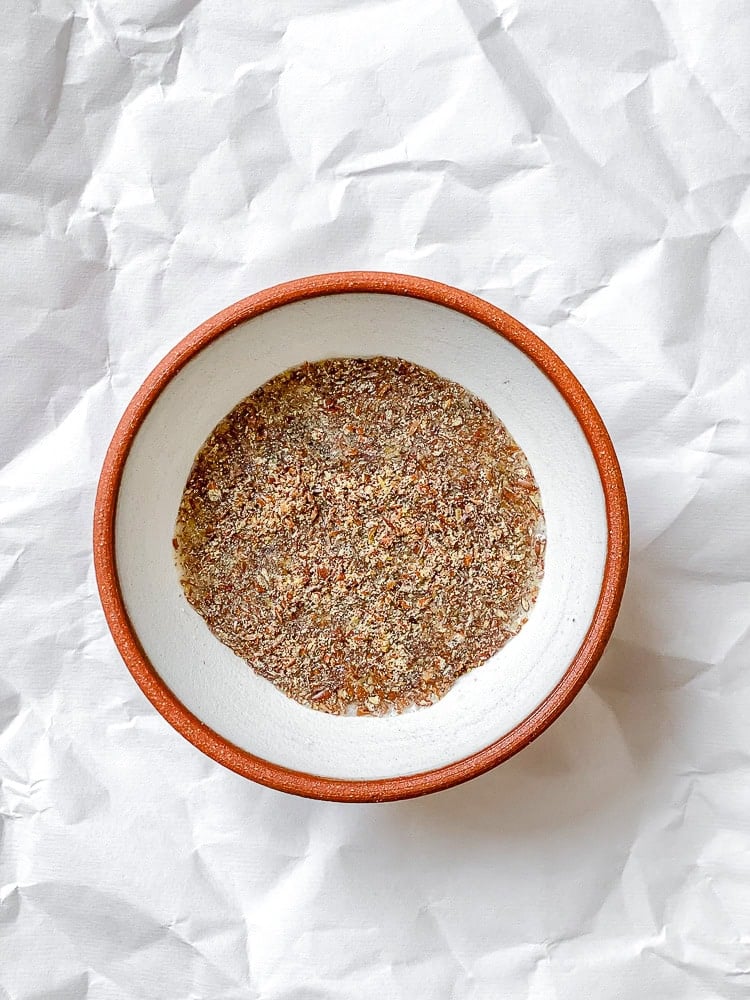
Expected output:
{"points": [[362, 532]]}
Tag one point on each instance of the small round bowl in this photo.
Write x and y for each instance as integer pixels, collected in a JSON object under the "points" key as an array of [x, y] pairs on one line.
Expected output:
{"points": [[214, 699]]}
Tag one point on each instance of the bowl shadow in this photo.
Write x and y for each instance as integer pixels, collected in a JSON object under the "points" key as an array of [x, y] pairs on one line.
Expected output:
{"points": [[597, 758]]}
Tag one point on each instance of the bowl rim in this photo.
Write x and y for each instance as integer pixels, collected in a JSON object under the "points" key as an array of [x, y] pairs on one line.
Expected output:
{"points": [[382, 789]]}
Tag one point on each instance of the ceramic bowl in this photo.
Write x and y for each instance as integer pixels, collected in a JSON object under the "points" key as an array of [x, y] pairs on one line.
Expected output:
{"points": [[214, 699]]}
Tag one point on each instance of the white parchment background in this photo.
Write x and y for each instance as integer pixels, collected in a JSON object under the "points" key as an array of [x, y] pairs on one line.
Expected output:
{"points": [[585, 166]]}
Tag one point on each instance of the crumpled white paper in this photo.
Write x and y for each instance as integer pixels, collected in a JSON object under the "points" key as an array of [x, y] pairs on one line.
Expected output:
{"points": [[585, 166]]}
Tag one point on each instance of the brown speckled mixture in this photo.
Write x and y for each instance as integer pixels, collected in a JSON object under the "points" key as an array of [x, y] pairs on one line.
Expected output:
{"points": [[362, 532]]}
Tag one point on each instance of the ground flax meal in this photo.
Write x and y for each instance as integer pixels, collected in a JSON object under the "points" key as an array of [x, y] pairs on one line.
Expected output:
{"points": [[362, 532]]}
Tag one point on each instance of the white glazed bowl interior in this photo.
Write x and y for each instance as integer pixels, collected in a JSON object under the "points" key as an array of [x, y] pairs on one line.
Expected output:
{"points": [[219, 688]]}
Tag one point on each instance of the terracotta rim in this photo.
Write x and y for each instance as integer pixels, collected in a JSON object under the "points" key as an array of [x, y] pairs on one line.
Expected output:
{"points": [[313, 786]]}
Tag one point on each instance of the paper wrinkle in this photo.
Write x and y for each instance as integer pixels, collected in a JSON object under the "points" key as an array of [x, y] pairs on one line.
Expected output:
{"points": [[585, 168]]}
